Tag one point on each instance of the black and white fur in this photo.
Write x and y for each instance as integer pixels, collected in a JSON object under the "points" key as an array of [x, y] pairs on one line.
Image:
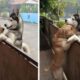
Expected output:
{"points": [[13, 34], [75, 22]]}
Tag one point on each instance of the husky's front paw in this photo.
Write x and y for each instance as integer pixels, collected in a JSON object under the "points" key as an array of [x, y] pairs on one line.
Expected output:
{"points": [[73, 38], [3, 37], [9, 41], [25, 48]]}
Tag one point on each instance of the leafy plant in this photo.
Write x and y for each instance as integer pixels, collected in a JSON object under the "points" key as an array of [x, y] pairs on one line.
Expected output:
{"points": [[29, 8], [60, 24], [52, 8]]}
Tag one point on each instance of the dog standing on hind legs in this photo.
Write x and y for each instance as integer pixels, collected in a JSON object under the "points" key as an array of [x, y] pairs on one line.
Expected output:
{"points": [[59, 45]]}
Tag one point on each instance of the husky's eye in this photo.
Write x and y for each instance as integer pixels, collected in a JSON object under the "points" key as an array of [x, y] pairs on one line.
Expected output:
{"points": [[11, 20]]}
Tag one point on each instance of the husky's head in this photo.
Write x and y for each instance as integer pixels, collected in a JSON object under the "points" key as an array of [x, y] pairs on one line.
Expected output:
{"points": [[74, 20], [12, 21]]}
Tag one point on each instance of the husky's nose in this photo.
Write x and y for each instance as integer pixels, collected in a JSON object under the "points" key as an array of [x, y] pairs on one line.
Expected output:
{"points": [[3, 29], [65, 20]]}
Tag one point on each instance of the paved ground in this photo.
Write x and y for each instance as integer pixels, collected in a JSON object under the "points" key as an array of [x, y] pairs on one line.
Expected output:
{"points": [[30, 37], [45, 59], [45, 64]]}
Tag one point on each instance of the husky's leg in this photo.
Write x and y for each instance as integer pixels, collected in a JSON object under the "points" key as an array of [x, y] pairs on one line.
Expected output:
{"points": [[12, 37], [3, 37], [58, 74], [9, 41], [18, 43], [25, 48], [64, 76]]}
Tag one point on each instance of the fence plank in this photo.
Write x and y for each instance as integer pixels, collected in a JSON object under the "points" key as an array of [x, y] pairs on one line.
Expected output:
{"points": [[14, 65], [72, 66]]}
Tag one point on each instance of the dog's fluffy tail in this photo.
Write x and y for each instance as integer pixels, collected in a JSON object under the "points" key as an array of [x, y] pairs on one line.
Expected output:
{"points": [[25, 48]]}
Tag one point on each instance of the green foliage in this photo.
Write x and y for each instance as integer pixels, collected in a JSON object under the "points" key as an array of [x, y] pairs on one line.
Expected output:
{"points": [[23, 8], [34, 8], [60, 24], [44, 5], [3, 5], [71, 1], [4, 14], [29, 8], [52, 8], [74, 4]]}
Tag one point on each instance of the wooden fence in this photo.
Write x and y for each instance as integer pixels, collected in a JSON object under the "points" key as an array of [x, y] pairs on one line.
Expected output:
{"points": [[14, 65], [47, 31], [72, 63]]}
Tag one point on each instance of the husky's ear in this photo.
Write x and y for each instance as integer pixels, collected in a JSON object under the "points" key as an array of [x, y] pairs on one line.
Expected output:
{"points": [[76, 16], [14, 17], [16, 11]]}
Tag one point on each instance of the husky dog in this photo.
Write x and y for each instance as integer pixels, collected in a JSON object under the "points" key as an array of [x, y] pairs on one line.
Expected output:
{"points": [[62, 40], [13, 26], [12, 33], [74, 20], [59, 45]]}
